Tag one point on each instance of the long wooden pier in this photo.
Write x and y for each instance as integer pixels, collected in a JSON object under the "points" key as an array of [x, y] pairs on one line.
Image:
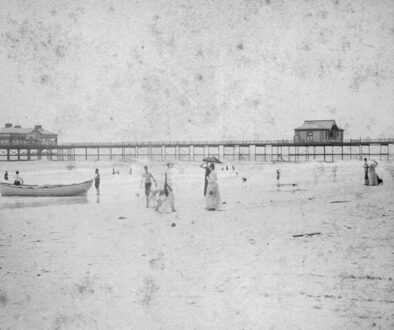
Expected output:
{"points": [[263, 150]]}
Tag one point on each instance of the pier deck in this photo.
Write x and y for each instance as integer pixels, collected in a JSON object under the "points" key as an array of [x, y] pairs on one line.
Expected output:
{"points": [[258, 150]]}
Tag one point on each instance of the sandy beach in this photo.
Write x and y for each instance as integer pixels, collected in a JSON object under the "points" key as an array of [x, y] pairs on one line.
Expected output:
{"points": [[107, 262]]}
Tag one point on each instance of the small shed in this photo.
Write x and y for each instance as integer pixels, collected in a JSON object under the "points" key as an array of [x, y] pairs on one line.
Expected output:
{"points": [[318, 131]]}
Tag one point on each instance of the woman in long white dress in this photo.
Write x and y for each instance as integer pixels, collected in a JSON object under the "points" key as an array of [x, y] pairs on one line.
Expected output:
{"points": [[212, 198], [373, 178]]}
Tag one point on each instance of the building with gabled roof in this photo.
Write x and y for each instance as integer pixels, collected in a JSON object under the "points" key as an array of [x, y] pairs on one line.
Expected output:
{"points": [[18, 135], [318, 131]]}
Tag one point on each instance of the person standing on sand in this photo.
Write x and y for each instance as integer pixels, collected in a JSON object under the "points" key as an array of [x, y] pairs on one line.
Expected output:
{"points": [[207, 171], [6, 176], [212, 198], [18, 179], [97, 181], [148, 177], [366, 167], [373, 178], [168, 189]]}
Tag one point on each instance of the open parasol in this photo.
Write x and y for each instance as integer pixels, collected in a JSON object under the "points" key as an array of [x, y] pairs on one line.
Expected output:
{"points": [[212, 159]]}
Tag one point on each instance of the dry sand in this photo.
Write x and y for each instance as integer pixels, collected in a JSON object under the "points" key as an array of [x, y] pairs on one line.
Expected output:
{"points": [[110, 263]]}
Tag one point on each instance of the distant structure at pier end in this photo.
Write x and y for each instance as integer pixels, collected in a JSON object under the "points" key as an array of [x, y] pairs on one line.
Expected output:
{"points": [[18, 135], [316, 131]]}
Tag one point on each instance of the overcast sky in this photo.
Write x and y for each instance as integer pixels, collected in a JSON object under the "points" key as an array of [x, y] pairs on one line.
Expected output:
{"points": [[126, 70]]}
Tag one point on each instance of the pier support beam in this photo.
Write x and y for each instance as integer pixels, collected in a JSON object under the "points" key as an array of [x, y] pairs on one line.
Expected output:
{"points": [[221, 151], [206, 151], [380, 152], [177, 156], [252, 152], [236, 152]]}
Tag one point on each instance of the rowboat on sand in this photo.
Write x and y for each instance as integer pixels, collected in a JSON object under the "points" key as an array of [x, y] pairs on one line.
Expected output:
{"points": [[76, 189]]}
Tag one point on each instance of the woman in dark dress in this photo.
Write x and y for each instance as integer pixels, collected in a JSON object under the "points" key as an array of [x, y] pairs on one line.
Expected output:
{"points": [[97, 181], [366, 167], [207, 168]]}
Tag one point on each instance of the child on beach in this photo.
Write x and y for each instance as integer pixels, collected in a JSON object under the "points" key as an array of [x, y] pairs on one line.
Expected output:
{"points": [[147, 177]]}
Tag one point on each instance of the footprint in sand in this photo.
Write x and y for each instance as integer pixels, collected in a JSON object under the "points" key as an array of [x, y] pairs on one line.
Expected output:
{"points": [[157, 263], [146, 293], [3, 298], [251, 241], [85, 286]]}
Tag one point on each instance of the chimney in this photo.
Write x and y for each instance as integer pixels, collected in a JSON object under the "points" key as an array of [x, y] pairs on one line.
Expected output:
{"points": [[8, 125]]}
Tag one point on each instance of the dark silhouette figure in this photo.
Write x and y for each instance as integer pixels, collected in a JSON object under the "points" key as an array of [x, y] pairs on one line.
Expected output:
{"points": [[97, 181], [207, 168]]}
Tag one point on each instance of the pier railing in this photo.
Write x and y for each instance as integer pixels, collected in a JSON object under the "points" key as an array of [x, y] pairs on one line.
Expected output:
{"points": [[273, 150], [184, 143], [221, 142]]}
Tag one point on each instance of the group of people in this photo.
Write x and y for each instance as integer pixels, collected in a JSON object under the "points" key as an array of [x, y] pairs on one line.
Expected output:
{"points": [[162, 195], [370, 176], [211, 188]]}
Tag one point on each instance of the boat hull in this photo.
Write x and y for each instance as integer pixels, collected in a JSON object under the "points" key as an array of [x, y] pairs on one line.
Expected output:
{"points": [[77, 189]]}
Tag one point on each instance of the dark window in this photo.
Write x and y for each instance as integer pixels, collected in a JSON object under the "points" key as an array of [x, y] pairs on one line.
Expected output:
{"points": [[309, 136]]}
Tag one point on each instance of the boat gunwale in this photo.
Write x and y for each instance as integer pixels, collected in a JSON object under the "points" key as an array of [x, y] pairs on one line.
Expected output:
{"points": [[22, 186]]}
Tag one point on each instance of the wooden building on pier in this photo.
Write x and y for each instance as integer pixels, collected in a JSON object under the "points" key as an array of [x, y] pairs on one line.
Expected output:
{"points": [[317, 131], [18, 135]]}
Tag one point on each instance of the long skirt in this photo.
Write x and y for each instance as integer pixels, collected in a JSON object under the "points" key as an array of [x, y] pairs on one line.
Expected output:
{"points": [[373, 178], [212, 198]]}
